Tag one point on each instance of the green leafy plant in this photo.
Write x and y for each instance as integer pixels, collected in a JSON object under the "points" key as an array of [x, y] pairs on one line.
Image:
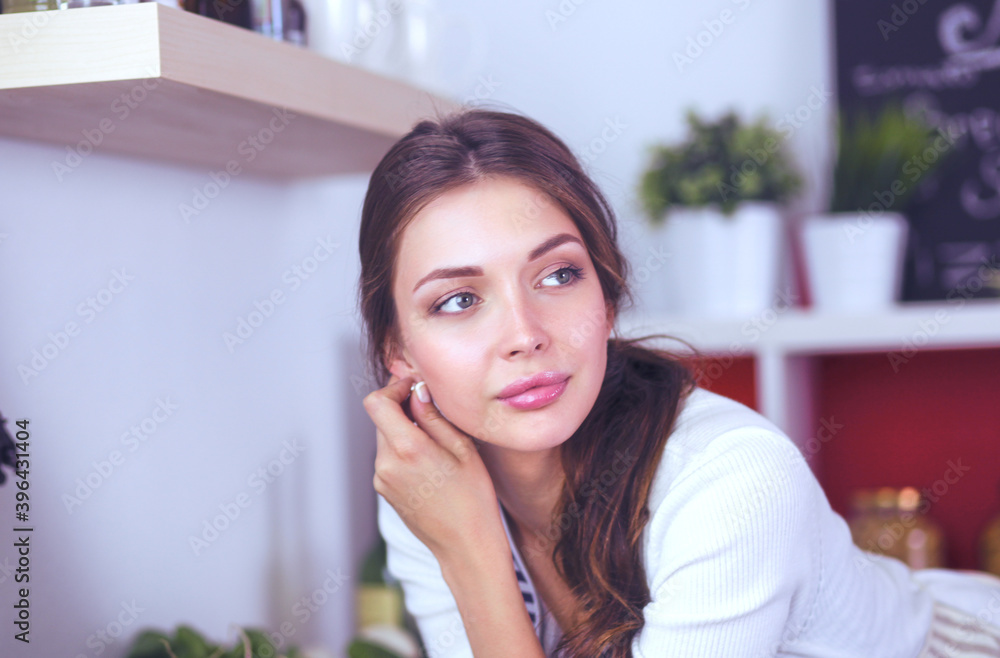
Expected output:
{"points": [[720, 163], [882, 158], [189, 643]]}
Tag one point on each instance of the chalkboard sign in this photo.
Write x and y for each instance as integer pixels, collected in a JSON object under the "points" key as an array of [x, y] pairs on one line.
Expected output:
{"points": [[941, 60]]}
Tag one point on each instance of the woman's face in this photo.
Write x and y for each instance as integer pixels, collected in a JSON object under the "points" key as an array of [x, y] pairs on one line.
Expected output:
{"points": [[494, 284]]}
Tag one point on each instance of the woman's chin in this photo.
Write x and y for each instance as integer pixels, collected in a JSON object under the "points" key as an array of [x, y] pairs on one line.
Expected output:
{"points": [[533, 437]]}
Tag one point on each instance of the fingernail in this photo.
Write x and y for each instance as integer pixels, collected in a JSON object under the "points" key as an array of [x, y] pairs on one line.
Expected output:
{"points": [[422, 394]]}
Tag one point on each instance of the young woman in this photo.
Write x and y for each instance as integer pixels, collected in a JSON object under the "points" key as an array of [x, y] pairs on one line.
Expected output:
{"points": [[546, 487]]}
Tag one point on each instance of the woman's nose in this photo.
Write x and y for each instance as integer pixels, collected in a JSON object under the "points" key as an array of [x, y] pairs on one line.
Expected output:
{"points": [[523, 329]]}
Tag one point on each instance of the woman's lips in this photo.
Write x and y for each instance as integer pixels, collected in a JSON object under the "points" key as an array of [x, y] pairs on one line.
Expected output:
{"points": [[536, 397]]}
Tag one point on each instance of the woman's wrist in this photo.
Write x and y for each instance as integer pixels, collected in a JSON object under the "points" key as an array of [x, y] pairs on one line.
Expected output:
{"points": [[484, 585]]}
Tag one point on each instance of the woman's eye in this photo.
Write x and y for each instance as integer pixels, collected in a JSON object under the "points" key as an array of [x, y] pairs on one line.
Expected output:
{"points": [[564, 276], [462, 297]]}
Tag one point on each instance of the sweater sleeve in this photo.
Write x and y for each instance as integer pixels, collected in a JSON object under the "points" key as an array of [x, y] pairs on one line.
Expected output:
{"points": [[731, 547], [425, 592]]}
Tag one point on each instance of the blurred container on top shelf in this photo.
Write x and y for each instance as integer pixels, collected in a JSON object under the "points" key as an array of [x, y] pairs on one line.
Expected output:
{"points": [[17, 6], [282, 20]]}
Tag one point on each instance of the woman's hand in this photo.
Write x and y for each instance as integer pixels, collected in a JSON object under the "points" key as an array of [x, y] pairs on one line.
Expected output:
{"points": [[431, 473]]}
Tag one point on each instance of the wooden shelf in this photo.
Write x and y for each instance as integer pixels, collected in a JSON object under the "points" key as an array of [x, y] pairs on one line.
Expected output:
{"points": [[158, 82]]}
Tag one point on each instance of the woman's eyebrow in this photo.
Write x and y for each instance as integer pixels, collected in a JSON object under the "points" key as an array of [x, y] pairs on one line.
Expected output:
{"points": [[472, 270]]}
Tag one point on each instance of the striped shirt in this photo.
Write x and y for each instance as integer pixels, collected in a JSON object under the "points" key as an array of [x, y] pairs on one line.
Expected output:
{"points": [[546, 627]]}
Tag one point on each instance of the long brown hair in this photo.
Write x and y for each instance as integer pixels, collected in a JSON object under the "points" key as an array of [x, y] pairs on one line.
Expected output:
{"points": [[611, 459]]}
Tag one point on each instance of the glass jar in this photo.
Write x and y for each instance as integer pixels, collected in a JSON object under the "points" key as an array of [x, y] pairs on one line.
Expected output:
{"points": [[14, 6], [989, 546], [923, 541], [875, 524], [893, 522]]}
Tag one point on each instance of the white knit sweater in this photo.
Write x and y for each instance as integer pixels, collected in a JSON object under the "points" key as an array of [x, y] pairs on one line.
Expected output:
{"points": [[744, 557]]}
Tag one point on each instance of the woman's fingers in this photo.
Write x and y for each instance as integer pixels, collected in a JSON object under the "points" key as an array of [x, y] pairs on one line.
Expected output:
{"points": [[431, 473], [385, 407], [431, 421]]}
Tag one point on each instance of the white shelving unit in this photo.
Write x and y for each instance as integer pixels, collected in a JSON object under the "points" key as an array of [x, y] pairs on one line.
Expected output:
{"points": [[785, 344]]}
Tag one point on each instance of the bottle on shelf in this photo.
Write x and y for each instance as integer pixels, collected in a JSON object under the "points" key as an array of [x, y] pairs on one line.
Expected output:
{"points": [[863, 520], [891, 522], [283, 20], [295, 23], [14, 6], [379, 599], [923, 539], [75, 4], [989, 546], [383, 627], [176, 4], [234, 12], [873, 522]]}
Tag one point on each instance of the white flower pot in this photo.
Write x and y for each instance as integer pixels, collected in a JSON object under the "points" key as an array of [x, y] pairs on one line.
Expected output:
{"points": [[719, 266], [854, 261]]}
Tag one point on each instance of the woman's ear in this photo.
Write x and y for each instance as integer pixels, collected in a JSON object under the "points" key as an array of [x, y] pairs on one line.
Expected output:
{"points": [[401, 369], [399, 365]]}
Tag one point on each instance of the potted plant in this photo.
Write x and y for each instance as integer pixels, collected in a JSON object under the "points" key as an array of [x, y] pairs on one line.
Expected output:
{"points": [[717, 197], [187, 642], [854, 252]]}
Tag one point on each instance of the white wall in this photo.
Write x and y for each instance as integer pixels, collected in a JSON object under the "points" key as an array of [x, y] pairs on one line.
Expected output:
{"points": [[161, 339], [576, 65], [298, 377]]}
